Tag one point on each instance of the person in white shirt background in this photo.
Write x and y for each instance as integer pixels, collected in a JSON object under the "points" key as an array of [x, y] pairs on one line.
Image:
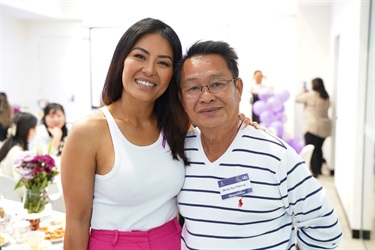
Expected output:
{"points": [[257, 85], [52, 131]]}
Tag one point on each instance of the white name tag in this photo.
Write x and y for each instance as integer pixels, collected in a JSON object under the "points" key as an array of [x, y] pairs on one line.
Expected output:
{"points": [[235, 186]]}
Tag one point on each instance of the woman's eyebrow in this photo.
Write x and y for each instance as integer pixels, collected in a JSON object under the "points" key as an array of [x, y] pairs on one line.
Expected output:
{"points": [[148, 53]]}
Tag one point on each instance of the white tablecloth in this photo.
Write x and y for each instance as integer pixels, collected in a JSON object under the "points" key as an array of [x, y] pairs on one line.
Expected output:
{"points": [[15, 211]]}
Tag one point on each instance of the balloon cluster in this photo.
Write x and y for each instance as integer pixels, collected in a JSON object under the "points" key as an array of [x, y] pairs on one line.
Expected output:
{"points": [[270, 109]]}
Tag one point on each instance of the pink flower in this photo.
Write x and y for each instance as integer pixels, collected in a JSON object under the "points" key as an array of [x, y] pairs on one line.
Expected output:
{"points": [[36, 171]]}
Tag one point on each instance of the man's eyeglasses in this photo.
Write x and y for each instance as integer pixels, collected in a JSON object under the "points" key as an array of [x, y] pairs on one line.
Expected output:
{"points": [[214, 88]]}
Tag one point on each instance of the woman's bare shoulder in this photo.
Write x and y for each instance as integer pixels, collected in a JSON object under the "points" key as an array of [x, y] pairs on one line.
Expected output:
{"points": [[90, 124]]}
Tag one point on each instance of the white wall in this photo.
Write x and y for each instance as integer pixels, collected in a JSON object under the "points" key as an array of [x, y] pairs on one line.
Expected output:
{"points": [[45, 60], [350, 25], [314, 22], [13, 67], [62, 72]]}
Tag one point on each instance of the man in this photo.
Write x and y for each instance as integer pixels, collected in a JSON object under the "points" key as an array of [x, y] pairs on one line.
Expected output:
{"points": [[244, 188]]}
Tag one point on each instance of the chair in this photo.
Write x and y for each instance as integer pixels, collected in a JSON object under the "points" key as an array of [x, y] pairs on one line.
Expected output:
{"points": [[7, 190], [56, 196], [306, 153], [59, 204]]}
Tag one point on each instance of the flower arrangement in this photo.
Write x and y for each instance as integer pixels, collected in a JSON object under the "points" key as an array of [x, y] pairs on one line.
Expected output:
{"points": [[36, 171]]}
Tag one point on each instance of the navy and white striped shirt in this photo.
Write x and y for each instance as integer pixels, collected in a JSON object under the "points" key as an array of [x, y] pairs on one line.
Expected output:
{"points": [[282, 189]]}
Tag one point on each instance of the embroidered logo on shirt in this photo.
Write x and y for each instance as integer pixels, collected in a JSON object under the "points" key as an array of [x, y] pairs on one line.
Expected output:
{"points": [[240, 203]]}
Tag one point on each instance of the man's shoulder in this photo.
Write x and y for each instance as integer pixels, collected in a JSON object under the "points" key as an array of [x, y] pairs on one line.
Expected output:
{"points": [[261, 137]]}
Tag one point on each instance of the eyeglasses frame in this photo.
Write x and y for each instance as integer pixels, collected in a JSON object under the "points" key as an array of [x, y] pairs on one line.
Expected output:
{"points": [[208, 88]]}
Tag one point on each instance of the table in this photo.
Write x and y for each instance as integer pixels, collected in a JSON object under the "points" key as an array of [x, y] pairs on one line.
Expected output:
{"points": [[15, 210]]}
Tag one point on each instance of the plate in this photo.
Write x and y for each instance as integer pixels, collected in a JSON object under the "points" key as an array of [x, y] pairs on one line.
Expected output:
{"points": [[56, 240], [5, 238], [45, 245], [53, 223], [54, 228]]}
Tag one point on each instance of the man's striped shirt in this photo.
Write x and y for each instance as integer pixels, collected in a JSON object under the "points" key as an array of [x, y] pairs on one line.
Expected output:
{"points": [[281, 189]]}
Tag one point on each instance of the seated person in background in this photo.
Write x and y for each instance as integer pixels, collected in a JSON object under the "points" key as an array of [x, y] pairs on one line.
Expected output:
{"points": [[6, 114], [51, 133], [20, 132], [244, 188]]}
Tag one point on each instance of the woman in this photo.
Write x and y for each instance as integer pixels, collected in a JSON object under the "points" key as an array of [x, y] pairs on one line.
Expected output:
{"points": [[52, 131], [317, 123], [6, 114], [20, 132], [255, 88], [121, 154]]}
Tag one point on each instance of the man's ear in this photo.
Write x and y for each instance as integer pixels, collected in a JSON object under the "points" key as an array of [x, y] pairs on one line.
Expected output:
{"points": [[239, 87]]}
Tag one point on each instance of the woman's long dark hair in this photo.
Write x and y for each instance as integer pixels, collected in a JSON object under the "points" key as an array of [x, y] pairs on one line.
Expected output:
{"points": [[22, 123], [318, 86], [171, 119]]}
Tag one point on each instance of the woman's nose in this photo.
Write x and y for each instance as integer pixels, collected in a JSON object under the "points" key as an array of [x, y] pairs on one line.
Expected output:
{"points": [[149, 69]]}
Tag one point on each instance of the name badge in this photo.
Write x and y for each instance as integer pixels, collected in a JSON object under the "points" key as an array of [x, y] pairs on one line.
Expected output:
{"points": [[235, 186]]}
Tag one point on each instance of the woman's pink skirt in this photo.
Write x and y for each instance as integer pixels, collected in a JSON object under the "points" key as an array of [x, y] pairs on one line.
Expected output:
{"points": [[167, 236]]}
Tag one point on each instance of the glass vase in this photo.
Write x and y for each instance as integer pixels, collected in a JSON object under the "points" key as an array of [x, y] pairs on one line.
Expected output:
{"points": [[35, 201]]}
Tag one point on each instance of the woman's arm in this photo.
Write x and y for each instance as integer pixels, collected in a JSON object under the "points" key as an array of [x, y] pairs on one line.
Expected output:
{"points": [[301, 97], [56, 133], [78, 166]]}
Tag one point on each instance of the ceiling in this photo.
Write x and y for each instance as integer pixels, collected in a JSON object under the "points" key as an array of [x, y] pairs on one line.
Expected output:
{"points": [[115, 9], [96, 13]]}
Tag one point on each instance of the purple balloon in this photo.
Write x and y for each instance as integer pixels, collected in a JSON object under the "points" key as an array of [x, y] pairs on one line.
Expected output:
{"points": [[297, 144], [266, 117], [283, 95], [265, 93], [259, 107], [16, 109], [280, 117], [278, 126], [274, 104], [281, 110]]}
